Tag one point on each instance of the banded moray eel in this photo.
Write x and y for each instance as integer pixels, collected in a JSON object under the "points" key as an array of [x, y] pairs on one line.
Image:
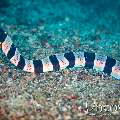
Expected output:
{"points": [[56, 62]]}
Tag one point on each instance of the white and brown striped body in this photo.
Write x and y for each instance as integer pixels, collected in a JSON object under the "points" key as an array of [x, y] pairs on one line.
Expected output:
{"points": [[56, 62]]}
